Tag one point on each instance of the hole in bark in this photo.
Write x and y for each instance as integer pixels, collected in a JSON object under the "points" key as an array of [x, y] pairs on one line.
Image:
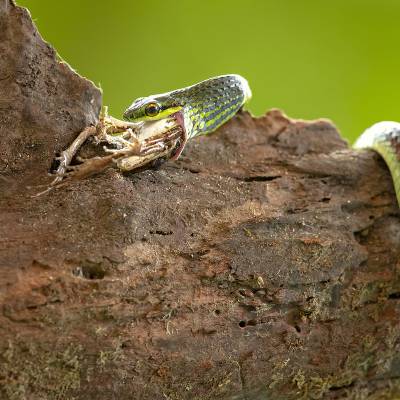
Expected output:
{"points": [[217, 312], [394, 296], [55, 163], [260, 178], [94, 271], [162, 233], [194, 171], [335, 388], [297, 328], [242, 324], [296, 210], [325, 200]]}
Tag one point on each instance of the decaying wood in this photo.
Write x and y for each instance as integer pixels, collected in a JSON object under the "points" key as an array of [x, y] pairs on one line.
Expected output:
{"points": [[262, 264]]}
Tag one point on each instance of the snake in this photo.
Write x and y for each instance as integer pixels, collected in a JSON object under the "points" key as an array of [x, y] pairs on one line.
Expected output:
{"points": [[198, 109], [201, 108]]}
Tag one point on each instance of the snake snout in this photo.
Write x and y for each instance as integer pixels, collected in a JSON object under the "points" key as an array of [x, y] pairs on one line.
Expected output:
{"points": [[127, 115]]}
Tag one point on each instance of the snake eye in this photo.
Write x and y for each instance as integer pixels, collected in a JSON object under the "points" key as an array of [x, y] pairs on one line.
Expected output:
{"points": [[152, 109]]}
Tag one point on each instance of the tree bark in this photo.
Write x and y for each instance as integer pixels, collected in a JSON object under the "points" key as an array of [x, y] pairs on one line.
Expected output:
{"points": [[262, 264]]}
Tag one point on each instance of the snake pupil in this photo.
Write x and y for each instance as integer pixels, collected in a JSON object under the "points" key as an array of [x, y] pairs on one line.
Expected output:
{"points": [[152, 109]]}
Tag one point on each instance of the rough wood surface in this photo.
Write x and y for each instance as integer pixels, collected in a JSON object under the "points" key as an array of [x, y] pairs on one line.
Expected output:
{"points": [[264, 264]]}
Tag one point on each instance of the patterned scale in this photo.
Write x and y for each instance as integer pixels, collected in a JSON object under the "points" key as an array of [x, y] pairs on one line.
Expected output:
{"points": [[209, 104]]}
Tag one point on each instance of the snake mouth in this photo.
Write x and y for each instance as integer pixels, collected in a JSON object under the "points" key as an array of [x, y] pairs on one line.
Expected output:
{"points": [[179, 119], [178, 116]]}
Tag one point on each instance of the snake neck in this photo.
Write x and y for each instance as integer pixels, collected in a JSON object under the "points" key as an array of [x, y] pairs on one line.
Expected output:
{"points": [[211, 103]]}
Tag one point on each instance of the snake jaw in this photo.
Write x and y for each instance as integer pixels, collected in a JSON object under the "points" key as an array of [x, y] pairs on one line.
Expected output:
{"points": [[184, 138]]}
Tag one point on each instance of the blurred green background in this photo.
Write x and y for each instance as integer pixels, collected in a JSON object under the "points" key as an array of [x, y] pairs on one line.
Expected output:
{"points": [[312, 58]]}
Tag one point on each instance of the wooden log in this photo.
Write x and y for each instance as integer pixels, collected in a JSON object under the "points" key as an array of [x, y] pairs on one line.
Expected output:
{"points": [[262, 264]]}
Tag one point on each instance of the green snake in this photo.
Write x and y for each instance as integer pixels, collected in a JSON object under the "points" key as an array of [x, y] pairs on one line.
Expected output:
{"points": [[199, 109], [202, 108]]}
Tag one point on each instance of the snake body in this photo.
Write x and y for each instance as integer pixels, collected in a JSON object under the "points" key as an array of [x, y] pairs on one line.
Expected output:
{"points": [[202, 108], [384, 138]]}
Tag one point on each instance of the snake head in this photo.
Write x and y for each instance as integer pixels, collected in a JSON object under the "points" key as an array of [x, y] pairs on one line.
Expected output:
{"points": [[150, 108], [156, 108]]}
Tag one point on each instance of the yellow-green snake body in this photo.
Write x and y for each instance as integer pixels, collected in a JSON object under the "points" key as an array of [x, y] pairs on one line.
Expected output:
{"points": [[384, 138]]}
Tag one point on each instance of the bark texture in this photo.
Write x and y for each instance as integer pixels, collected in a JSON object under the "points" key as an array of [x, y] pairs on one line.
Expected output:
{"points": [[264, 264]]}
